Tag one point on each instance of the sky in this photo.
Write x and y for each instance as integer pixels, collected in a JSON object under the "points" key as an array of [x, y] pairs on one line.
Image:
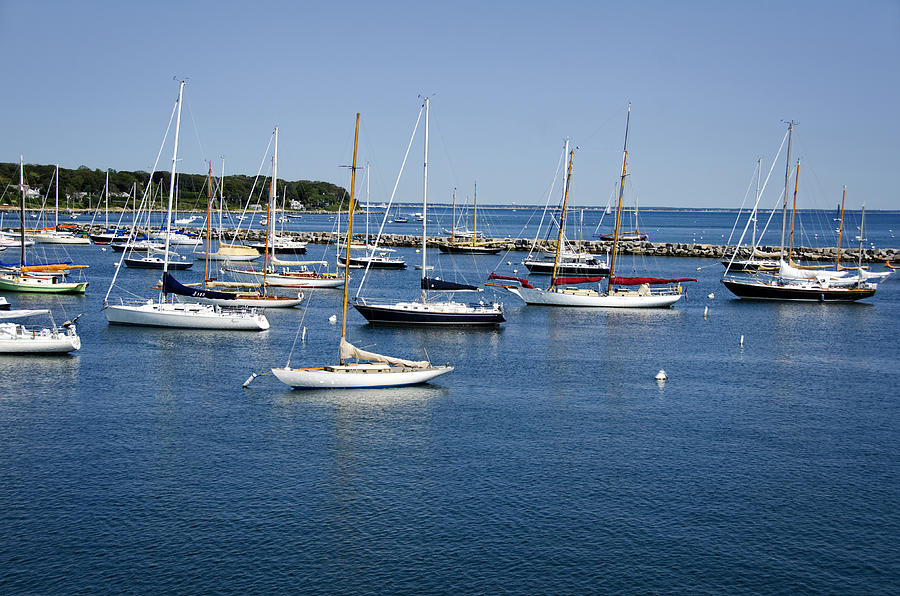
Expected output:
{"points": [[710, 83]]}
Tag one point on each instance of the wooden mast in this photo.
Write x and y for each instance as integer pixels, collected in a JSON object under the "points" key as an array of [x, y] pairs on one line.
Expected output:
{"points": [[349, 235], [612, 260], [837, 260], [787, 180], [562, 216]]}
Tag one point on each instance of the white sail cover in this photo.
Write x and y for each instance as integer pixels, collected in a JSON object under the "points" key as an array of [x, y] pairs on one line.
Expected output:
{"points": [[348, 350], [277, 261], [788, 271], [15, 314]]}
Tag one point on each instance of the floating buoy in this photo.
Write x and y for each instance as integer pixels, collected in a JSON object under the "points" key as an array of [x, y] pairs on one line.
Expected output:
{"points": [[303, 335], [661, 375], [509, 262], [103, 249], [742, 341], [705, 311], [332, 319], [711, 295]]}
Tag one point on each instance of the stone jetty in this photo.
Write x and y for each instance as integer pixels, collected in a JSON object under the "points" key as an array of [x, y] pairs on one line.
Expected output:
{"points": [[599, 247]]}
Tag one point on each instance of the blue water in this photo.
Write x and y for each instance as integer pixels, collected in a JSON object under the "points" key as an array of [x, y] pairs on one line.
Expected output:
{"points": [[549, 461]]}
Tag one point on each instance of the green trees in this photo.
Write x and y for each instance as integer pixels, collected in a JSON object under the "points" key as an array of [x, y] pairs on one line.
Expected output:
{"points": [[84, 188]]}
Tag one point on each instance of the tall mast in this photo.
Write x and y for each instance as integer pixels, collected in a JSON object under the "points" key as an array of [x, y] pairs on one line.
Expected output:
{"points": [[453, 217], [425, 197], [349, 234], [612, 261], [475, 216], [172, 185], [208, 221], [837, 261], [270, 210], [862, 221], [790, 255], [22, 212], [562, 217], [753, 214], [787, 180], [106, 203], [56, 218]]}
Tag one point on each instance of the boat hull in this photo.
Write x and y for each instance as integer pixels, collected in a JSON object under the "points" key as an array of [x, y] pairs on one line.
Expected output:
{"points": [[41, 285], [417, 313], [751, 290], [463, 249], [184, 316], [362, 262], [347, 378], [42, 341], [300, 280], [157, 264], [594, 299]]}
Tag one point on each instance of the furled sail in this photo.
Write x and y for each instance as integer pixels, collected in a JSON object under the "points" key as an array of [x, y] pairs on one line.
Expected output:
{"points": [[348, 350], [172, 286], [433, 283], [788, 271], [524, 282], [636, 281], [563, 281]]}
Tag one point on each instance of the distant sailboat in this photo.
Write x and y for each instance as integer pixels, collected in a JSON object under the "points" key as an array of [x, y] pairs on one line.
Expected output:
{"points": [[379, 370], [26, 278], [564, 291]]}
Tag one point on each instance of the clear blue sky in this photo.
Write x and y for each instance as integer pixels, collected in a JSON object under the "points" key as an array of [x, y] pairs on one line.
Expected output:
{"points": [[91, 83]]}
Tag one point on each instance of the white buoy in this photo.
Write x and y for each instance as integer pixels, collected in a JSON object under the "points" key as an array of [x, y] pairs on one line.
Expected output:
{"points": [[103, 249], [742, 340], [509, 262], [303, 335], [661, 375], [332, 319], [711, 295], [705, 311]]}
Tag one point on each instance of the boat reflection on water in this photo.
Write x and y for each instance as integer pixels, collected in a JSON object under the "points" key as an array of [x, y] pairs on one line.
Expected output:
{"points": [[349, 400]]}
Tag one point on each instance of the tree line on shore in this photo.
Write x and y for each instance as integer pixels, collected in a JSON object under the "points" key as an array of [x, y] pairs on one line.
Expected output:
{"points": [[83, 188]]}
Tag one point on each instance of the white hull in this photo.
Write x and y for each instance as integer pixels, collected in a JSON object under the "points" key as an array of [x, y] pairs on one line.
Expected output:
{"points": [[214, 256], [300, 280], [184, 315], [50, 239], [594, 299], [356, 376], [15, 339]]}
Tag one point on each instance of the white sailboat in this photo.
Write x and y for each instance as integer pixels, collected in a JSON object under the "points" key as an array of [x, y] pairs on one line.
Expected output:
{"points": [[565, 291], [43, 279], [54, 235], [290, 274], [16, 338], [162, 313], [378, 370]]}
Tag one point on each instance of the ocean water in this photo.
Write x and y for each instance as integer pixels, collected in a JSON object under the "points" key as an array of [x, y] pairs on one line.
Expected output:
{"points": [[549, 461]]}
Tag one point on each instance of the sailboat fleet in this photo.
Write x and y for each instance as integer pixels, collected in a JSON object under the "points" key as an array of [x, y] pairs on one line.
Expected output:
{"points": [[234, 294]]}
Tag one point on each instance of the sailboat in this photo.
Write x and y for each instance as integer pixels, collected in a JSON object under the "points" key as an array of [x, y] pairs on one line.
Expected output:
{"points": [[791, 282], [25, 278], [374, 257], [248, 295], [55, 235], [379, 370], [162, 313], [16, 338], [471, 245], [423, 311], [225, 252], [564, 291], [292, 274]]}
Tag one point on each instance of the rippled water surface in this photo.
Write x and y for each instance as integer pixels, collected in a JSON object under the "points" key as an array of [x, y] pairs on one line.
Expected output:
{"points": [[549, 461]]}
